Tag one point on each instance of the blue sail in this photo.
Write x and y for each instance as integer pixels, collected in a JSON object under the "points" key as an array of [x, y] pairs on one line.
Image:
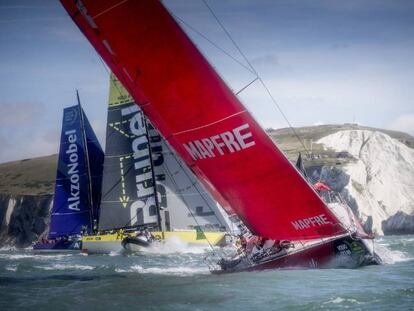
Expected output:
{"points": [[73, 207]]}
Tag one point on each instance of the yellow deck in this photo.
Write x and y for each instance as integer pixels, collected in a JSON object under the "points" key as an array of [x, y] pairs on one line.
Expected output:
{"points": [[190, 236]]}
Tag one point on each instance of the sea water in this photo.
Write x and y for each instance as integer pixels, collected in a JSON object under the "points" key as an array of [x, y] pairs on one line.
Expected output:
{"points": [[176, 278]]}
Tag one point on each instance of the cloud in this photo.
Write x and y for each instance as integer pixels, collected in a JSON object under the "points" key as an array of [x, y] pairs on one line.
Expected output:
{"points": [[39, 143], [43, 144], [4, 143], [20, 113], [404, 123]]}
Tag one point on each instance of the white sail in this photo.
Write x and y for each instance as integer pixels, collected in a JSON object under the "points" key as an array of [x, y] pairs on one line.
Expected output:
{"points": [[184, 202]]}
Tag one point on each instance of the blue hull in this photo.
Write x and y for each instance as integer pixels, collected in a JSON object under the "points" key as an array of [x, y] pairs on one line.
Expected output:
{"points": [[58, 246]]}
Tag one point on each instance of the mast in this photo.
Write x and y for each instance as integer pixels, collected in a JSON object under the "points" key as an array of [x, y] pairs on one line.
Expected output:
{"points": [[86, 155], [154, 182]]}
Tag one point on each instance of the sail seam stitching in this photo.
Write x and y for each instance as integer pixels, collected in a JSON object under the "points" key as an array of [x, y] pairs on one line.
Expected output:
{"points": [[209, 124]]}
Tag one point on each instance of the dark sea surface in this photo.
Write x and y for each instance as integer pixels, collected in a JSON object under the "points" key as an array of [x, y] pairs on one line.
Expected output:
{"points": [[181, 281]]}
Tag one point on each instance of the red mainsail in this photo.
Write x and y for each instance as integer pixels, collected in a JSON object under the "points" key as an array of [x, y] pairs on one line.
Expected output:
{"points": [[202, 119]]}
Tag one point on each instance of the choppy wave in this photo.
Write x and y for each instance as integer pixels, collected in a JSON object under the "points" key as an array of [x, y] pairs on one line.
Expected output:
{"points": [[340, 300], [389, 256], [26, 256], [178, 271], [11, 268], [66, 267], [7, 248], [111, 254], [386, 249]]}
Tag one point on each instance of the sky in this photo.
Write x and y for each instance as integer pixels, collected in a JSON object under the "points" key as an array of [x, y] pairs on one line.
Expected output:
{"points": [[324, 62]]}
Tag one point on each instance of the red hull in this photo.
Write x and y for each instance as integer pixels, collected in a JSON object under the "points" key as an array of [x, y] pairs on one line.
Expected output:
{"points": [[342, 252]]}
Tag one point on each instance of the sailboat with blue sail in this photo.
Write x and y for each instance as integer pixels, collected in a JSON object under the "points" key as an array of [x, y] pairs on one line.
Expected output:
{"points": [[78, 184]]}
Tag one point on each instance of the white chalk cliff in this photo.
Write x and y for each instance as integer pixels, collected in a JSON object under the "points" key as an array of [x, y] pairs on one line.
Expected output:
{"points": [[381, 175]]}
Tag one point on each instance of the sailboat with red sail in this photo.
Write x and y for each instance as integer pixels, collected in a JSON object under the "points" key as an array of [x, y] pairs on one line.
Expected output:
{"points": [[211, 130]]}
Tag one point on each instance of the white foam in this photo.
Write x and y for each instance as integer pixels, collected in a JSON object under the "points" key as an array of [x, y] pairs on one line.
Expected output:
{"points": [[11, 268], [7, 248], [33, 256], [15, 256], [115, 253], [65, 267], [174, 245], [341, 300], [179, 271], [390, 256]]}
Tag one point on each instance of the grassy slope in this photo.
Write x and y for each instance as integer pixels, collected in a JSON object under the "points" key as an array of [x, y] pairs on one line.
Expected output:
{"points": [[37, 176], [29, 176]]}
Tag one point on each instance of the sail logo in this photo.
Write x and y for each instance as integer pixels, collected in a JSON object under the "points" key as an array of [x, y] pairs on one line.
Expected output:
{"points": [[143, 210], [232, 141], [73, 172], [315, 221], [142, 161], [70, 116]]}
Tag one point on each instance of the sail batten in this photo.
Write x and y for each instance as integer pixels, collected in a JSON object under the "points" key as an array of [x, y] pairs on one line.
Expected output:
{"points": [[203, 121]]}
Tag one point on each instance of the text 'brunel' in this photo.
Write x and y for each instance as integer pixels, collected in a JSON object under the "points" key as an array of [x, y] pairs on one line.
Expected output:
{"points": [[232, 141], [73, 172]]}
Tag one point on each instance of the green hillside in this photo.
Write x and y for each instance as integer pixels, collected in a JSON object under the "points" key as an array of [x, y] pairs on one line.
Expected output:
{"points": [[29, 176]]}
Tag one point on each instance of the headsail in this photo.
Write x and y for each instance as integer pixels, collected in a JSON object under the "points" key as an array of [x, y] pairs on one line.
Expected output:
{"points": [[71, 210], [202, 119]]}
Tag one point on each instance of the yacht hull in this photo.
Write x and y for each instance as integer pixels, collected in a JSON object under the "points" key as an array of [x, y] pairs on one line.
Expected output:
{"points": [[62, 246], [107, 243], [339, 252]]}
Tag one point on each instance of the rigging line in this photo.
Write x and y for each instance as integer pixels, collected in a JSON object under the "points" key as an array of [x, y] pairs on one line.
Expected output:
{"points": [[256, 73], [212, 43], [245, 87], [230, 37], [112, 80]]}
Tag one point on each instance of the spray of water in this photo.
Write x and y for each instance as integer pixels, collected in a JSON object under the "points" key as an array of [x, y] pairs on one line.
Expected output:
{"points": [[174, 245]]}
